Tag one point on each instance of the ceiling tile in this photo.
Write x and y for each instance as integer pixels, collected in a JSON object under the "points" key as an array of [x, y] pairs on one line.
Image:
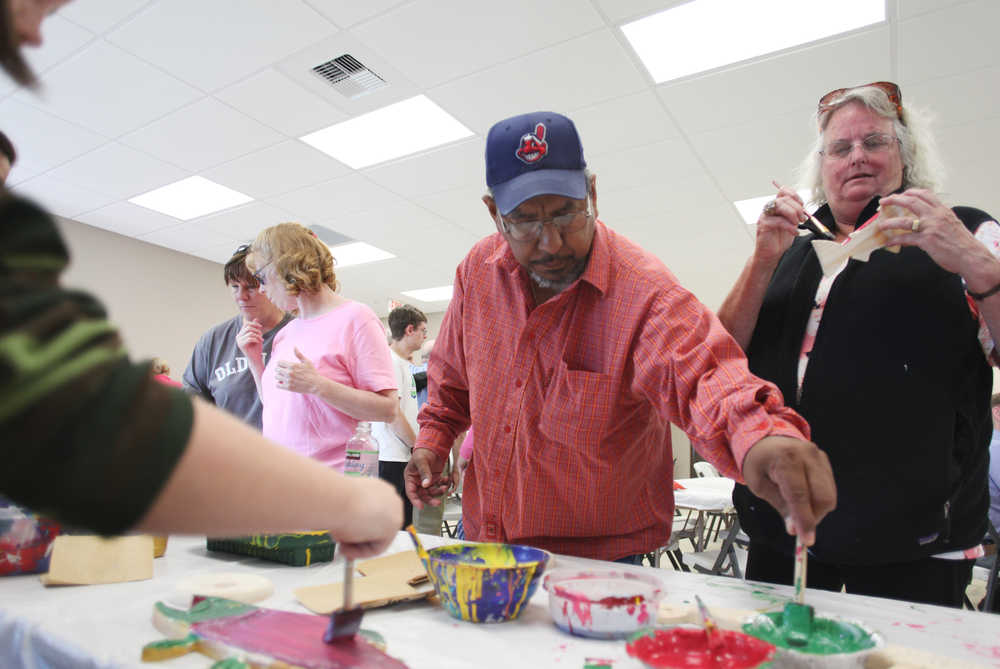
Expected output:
{"points": [[62, 38], [127, 219], [117, 171], [961, 144], [674, 198], [654, 163], [346, 13], [434, 41], [59, 197], [43, 141], [202, 135], [447, 168], [744, 159], [964, 97], [949, 41], [463, 207], [275, 100], [277, 169], [90, 89], [554, 79], [778, 85], [910, 8], [190, 237], [99, 16], [334, 199], [223, 41], [245, 222], [622, 123], [624, 11]]}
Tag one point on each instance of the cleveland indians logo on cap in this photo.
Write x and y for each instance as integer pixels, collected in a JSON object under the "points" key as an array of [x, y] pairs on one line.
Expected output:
{"points": [[533, 146]]}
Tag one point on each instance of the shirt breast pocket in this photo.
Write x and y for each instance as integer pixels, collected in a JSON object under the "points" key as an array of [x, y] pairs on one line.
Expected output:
{"points": [[577, 409]]}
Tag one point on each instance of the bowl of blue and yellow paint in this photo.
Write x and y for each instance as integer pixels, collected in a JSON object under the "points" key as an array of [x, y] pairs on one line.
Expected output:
{"points": [[485, 583]]}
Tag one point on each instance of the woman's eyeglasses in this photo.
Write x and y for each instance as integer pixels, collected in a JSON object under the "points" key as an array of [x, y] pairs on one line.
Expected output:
{"points": [[876, 142], [890, 89], [259, 275]]}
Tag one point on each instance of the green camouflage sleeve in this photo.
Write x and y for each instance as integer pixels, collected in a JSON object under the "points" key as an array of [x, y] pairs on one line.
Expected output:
{"points": [[87, 437]]}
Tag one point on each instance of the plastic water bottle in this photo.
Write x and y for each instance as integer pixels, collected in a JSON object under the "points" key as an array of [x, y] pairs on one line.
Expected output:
{"points": [[362, 452]]}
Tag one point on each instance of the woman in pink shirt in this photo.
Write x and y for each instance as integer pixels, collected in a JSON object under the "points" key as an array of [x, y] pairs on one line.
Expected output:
{"points": [[330, 367]]}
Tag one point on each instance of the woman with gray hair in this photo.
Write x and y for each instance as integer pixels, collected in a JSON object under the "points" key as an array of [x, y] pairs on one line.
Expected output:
{"points": [[888, 359]]}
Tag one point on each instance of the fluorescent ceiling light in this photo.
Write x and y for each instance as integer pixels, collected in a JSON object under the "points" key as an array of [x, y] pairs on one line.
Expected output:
{"points": [[357, 253], [191, 198], [750, 208], [705, 34], [390, 132], [439, 294]]}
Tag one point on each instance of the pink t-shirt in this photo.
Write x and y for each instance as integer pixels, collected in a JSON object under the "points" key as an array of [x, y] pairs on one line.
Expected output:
{"points": [[347, 345]]}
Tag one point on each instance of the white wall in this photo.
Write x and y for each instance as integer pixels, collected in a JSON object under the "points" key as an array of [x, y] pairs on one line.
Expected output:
{"points": [[161, 300]]}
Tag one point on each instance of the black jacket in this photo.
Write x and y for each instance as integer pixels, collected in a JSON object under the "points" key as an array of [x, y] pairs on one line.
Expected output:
{"points": [[897, 394]]}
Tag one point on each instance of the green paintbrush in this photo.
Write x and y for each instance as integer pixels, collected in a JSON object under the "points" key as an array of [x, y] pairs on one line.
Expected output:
{"points": [[798, 616]]}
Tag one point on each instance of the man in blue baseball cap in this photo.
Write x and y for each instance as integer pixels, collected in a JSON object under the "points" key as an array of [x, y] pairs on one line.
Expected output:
{"points": [[572, 350]]}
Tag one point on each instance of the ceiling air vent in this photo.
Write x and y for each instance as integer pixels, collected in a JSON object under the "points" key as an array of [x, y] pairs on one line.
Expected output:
{"points": [[349, 76]]}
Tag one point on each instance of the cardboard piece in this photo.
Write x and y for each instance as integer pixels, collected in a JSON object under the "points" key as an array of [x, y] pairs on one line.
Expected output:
{"points": [[385, 580], [89, 560]]}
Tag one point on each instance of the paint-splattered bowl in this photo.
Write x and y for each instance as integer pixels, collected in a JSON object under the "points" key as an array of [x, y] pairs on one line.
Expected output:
{"points": [[838, 643], [485, 583], [684, 646], [602, 604]]}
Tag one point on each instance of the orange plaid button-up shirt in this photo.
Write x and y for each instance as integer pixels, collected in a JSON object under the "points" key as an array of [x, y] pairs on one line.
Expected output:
{"points": [[572, 399]]}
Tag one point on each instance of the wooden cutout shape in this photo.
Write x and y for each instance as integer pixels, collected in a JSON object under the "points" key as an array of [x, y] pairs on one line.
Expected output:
{"points": [[89, 560]]}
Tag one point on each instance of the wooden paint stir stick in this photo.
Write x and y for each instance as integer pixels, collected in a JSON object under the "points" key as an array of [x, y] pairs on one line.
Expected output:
{"points": [[798, 616]]}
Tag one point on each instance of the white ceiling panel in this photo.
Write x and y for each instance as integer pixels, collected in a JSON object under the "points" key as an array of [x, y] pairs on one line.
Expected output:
{"points": [[778, 84], [62, 38], [622, 123], [202, 135], [191, 237], [910, 8], [463, 207], [434, 41], [969, 96], [744, 159], [654, 163], [211, 57], [669, 200], [99, 16], [623, 11], [245, 222], [961, 145], [109, 91], [61, 198], [455, 166], [975, 186], [335, 199], [117, 171], [554, 79], [346, 13], [949, 41], [127, 219], [275, 100], [43, 141], [298, 68], [277, 169]]}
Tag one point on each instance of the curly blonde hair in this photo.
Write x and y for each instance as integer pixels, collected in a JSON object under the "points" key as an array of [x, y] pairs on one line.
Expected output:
{"points": [[921, 164], [303, 262]]}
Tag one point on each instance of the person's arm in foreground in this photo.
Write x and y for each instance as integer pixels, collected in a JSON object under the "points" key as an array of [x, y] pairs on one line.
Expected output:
{"points": [[232, 481], [775, 233]]}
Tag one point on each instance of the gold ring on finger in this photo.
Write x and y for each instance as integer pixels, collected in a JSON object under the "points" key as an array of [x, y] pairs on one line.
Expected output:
{"points": [[916, 225]]}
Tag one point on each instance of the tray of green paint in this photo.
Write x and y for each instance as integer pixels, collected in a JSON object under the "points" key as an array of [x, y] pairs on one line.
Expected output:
{"points": [[298, 549]]}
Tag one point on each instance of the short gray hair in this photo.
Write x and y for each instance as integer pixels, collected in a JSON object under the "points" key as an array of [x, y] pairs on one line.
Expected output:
{"points": [[921, 164]]}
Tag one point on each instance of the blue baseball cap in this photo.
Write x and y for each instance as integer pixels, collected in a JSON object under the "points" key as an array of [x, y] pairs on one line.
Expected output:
{"points": [[534, 154]]}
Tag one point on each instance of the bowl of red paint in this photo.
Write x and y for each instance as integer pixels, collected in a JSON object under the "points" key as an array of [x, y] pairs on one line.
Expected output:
{"points": [[602, 604], [688, 647]]}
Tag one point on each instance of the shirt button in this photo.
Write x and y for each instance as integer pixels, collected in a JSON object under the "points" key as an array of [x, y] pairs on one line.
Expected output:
{"points": [[506, 429]]}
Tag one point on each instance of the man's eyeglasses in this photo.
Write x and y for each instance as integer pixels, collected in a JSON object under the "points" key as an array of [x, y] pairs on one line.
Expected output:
{"points": [[890, 89], [875, 143], [529, 231]]}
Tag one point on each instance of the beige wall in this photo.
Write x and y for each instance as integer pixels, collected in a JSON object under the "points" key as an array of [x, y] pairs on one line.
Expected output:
{"points": [[161, 300]]}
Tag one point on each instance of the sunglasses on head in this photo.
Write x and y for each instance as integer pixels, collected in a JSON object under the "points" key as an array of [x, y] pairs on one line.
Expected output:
{"points": [[890, 89]]}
